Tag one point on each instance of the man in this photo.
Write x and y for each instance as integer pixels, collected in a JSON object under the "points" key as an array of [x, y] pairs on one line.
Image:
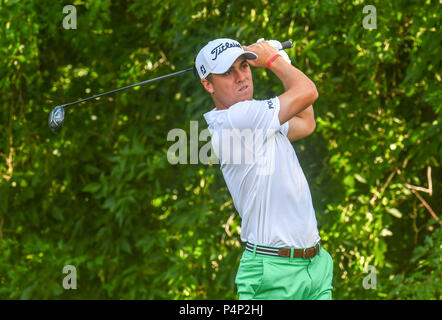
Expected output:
{"points": [[283, 258]]}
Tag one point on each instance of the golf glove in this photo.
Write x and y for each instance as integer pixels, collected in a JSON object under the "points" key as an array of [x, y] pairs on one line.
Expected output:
{"points": [[277, 45]]}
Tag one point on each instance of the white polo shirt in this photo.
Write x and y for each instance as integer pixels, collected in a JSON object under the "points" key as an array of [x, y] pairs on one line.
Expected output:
{"points": [[263, 174]]}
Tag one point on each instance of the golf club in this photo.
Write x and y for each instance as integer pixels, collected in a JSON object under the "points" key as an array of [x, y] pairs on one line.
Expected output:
{"points": [[56, 116]]}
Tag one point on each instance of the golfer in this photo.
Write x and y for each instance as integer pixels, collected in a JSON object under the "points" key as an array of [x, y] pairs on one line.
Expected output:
{"points": [[283, 257]]}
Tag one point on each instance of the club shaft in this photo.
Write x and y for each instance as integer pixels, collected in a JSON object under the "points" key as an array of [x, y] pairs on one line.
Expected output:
{"points": [[285, 45], [130, 86]]}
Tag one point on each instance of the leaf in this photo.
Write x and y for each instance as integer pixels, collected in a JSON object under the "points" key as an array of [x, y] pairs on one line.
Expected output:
{"points": [[92, 187], [126, 246], [394, 212], [360, 178], [57, 214], [349, 181]]}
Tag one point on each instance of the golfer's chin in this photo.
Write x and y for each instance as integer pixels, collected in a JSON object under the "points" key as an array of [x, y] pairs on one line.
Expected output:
{"points": [[245, 93], [235, 97]]}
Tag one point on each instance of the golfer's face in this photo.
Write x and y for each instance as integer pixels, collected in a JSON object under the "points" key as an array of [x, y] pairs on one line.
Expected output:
{"points": [[235, 85]]}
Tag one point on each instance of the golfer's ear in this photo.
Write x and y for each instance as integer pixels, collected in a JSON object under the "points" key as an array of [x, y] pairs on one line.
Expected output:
{"points": [[207, 85]]}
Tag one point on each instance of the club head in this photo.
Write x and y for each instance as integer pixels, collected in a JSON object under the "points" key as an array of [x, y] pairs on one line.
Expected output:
{"points": [[56, 118]]}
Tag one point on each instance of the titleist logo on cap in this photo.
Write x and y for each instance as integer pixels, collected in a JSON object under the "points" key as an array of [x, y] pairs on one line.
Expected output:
{"points": [[207, 62], [223, 47]]}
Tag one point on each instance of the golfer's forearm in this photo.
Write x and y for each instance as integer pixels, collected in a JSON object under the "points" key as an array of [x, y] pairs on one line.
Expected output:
{"points": [[300, 91], [291, 77], [301, 125], [307, 113]]}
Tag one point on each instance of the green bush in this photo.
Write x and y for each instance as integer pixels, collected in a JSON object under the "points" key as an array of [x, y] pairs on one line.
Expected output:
{"points": [[102, 196]]}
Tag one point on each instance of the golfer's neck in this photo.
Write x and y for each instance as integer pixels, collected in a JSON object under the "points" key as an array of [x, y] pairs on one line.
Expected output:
{"points": [[218, 104], [221, 106]]}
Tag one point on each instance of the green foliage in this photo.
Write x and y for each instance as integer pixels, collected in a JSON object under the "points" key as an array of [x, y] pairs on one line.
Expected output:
{"points": [[102, 196], [424, 281]]}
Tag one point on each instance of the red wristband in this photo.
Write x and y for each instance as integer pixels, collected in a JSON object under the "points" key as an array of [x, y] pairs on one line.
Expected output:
{"points": [[272, 59]]}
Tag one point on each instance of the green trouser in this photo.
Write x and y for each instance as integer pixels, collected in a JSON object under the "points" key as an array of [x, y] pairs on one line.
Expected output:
{"points": [[264, 277]]}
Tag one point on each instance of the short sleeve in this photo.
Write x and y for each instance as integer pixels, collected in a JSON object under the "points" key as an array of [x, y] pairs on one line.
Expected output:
{"points": [[285, 128], [256, 114]]}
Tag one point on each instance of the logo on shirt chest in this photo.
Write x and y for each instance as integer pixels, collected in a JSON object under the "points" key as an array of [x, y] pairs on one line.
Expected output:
{"points": [[270, 104]]}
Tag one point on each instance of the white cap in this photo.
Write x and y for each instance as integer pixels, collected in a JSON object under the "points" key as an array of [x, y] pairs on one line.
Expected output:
{"points": [[218, 56]]}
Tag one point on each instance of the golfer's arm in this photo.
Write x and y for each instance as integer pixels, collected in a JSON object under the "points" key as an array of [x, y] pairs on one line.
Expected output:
{"points": [[302, 125], [300, 91]]}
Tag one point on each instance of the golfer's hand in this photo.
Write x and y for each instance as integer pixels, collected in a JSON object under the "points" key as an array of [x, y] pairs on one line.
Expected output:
{"points": [[278, 46], [264, 52]]}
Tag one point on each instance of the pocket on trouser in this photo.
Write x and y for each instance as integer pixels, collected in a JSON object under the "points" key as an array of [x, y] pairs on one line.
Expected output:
{"points": [[249, 278], [321, 272], [283, 280]]}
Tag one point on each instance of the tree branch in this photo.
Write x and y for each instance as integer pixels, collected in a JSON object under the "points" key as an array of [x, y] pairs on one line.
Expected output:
{"points": [[425, 204]]}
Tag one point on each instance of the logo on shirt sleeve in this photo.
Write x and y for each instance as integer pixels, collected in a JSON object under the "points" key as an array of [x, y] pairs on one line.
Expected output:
{"points": [[270, 104]]}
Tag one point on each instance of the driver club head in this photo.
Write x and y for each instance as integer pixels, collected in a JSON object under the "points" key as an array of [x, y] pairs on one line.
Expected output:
{"points": [[56, 118]]}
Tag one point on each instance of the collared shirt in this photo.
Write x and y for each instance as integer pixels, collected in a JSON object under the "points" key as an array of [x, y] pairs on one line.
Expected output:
{"points": [[263, 174]]}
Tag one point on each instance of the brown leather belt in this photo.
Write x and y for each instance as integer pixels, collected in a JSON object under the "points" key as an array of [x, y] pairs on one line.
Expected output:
{"points": [[285, 252]]}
